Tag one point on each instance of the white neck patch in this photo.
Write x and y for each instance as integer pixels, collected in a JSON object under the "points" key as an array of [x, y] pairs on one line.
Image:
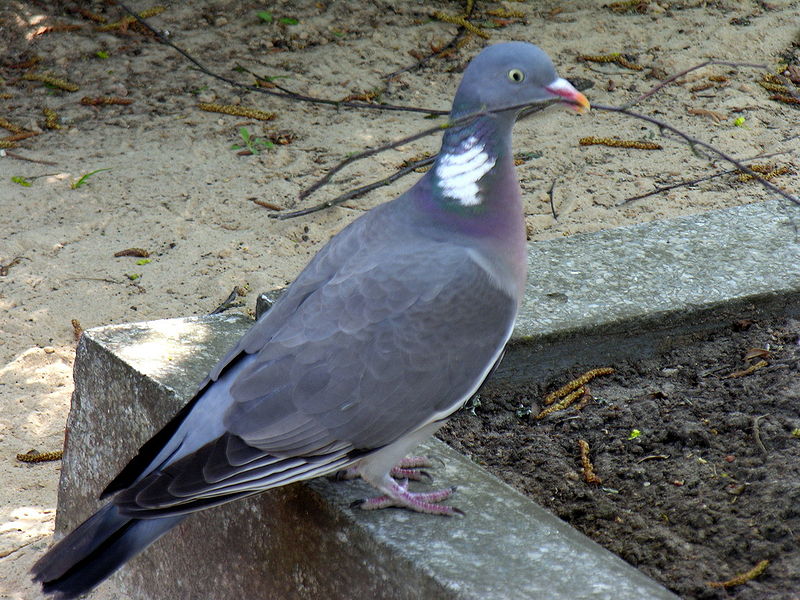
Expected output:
{"points": [[459, 173]]}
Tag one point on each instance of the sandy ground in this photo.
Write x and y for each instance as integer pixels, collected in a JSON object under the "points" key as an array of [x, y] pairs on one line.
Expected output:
{"points": [[177, 189]]}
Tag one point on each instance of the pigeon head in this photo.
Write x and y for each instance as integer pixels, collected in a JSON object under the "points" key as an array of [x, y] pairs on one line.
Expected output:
{"points": [[474, 164], [512, 74]]}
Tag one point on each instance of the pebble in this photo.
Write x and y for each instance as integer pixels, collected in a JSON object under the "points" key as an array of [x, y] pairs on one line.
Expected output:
{"points": [[48, 349]]}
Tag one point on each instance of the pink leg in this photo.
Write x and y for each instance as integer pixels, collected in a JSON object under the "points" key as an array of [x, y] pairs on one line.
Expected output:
{"points": [[408, 468]]}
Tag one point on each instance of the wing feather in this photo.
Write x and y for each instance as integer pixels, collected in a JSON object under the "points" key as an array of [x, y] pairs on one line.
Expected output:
{"points": [[370, 344]]}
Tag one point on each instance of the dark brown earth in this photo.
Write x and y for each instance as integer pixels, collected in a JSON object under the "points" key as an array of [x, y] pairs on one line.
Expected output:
{"points": [[708, 489]]}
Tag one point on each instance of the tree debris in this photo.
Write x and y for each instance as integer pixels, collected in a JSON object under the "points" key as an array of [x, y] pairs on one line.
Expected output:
{"points": [[461, 22], [577, 383], [749, 370], [743, 578], [588, 468], [105, 101], [34, 456], [237, 111], [138, 252], [614, 57], [563, 403], [62, 84], [50, 118], [77, 329], [615, 143]]}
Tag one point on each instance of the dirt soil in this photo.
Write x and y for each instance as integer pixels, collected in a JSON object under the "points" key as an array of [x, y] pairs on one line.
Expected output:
{"points": [[176, 188], [699, 469]]}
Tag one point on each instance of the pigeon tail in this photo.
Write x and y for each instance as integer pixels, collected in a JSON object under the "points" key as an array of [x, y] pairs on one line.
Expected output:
{"points": [[93, 551]]}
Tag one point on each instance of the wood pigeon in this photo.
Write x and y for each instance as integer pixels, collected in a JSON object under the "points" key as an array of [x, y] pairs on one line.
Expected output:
{"points": [[390, 328]]}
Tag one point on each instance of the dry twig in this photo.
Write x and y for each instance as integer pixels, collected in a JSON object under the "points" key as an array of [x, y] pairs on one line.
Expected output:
{"points": [[748, 371], [460, 37], [694, 143], [283, 92], [700, 179], [672, 78], [757, 435]]}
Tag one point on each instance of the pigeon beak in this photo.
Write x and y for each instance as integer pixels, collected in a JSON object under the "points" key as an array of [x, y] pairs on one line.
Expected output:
{"points": [[562, 87]]}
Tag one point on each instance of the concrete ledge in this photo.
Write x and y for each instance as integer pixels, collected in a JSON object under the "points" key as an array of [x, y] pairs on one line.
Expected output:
{"points": [[632, 291], [304, 541]]}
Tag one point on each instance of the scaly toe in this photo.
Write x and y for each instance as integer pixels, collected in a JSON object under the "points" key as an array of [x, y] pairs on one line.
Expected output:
{"points": [[424, 502]]}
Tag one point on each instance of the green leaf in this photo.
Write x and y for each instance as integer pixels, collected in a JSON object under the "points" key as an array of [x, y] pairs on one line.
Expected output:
{"points": [[76, 184], [245, 133], [23, 181], [289, 21], [635, 433], [272, 78], [265, 16], [143, 261], [101, 54], [132, 276]]}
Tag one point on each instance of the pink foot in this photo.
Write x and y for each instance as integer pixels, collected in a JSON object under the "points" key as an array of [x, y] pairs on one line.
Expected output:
{"points": [[399, 496]]}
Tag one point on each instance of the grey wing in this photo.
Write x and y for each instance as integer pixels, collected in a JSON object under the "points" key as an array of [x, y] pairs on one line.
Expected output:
{"points": [[172, 438], [375, 356], [377, 352]]}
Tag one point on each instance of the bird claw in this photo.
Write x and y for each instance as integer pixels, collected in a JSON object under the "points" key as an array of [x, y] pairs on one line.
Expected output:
{"points": [[400, 497]]}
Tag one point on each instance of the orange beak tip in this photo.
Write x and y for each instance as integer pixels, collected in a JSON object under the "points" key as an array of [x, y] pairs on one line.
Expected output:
{"points": [[564, 89]]}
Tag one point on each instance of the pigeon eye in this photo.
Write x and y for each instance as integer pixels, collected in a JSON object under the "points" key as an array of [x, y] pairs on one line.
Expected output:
{"points": [[516, 75]]}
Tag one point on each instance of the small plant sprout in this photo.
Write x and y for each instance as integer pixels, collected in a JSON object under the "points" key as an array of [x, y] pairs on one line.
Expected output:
{"points": [[84, 178], [20, 180], [252, 144], [101, 54], [635, 433], [266, 17]]}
